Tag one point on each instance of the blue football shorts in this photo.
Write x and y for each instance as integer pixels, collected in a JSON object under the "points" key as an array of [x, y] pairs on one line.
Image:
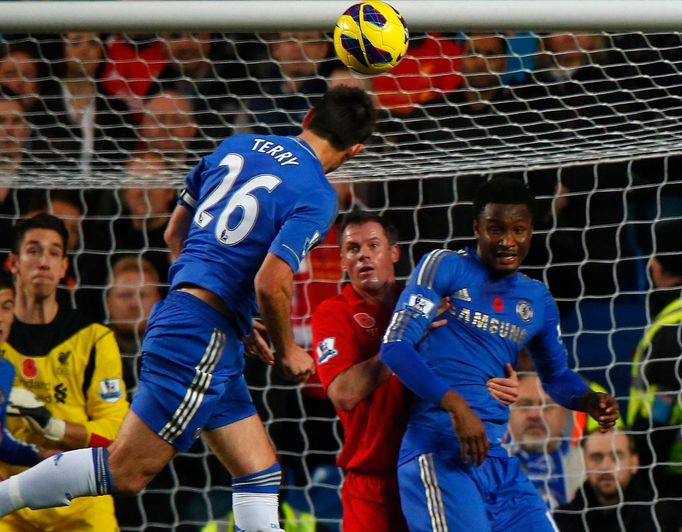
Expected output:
{"points": [[439, 493], [191, 375]]}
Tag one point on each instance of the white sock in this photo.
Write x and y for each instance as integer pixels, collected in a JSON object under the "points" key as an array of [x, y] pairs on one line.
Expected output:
{"points": [[57, 480], [255, 512]]}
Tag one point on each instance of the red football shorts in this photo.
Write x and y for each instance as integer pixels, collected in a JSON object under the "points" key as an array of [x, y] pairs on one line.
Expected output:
{"points": [[371, 502]]}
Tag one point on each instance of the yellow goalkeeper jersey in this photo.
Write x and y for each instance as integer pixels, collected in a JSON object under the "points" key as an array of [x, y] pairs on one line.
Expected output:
{"points": [[74, 366]]}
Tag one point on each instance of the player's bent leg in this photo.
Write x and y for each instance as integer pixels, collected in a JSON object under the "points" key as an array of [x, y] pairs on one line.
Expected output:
{"points": [[57, 480], [137, 455], [245, 450], [438, 494]]}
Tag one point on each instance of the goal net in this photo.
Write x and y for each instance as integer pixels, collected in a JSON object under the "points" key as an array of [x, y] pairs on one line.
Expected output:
{"points": [[100, 128]]}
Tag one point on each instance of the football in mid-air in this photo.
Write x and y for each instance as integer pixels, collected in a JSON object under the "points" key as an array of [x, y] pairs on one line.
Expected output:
{"points": [[371, 37]]}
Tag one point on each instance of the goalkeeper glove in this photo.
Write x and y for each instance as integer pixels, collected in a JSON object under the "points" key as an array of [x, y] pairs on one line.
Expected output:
{"points": [[24, 403]]}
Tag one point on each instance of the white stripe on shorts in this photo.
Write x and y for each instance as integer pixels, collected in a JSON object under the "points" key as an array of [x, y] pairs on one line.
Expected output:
{"points": [[196, 391], [434, 498]]}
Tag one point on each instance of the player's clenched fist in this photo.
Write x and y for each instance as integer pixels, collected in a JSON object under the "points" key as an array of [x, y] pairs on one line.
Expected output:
{"points": [[469, 428], [296, 364], [603, 408]]}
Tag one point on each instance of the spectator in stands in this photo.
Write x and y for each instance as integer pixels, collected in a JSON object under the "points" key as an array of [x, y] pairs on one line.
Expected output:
{"points": [[430, 70], [614, 498], [20, 69], [297, 78], [537, 427], [170, 128], [133, 290], [69, 380], [580, 85], [134, 60], [83, 129], [140, 228], [654, 409], [14, 132], [197, 69]]}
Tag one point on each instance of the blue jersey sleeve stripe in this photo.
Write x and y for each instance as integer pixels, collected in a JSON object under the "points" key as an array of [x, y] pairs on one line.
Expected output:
{"points": [[396, 330], [427, 273]]}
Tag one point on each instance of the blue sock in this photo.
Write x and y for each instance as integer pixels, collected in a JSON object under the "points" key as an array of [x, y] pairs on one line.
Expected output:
{"points": [[266, 481], [57, 480]]}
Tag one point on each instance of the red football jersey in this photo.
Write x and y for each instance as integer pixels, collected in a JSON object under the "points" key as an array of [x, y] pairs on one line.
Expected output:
{"points": [[346, 331]]}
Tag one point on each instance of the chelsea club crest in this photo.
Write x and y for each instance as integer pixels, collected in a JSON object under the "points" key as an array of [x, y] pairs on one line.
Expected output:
{"points": [[524, 310]]}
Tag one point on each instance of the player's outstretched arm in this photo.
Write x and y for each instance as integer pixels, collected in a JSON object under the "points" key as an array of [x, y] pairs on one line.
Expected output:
{"points": [[274, 283], [602, 407]]}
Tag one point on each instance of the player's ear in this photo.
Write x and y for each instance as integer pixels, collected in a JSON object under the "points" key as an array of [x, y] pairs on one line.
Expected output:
{"points": [[356, 150], [395, 253], [476, 232], [13, 259]]}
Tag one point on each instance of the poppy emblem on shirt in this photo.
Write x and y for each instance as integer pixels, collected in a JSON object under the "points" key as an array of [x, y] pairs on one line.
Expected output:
{"points": [[29, 368], [364, 320], [524, 310], [498, 304]]}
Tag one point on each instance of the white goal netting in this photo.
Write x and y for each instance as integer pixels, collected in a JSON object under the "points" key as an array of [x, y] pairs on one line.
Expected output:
{"points": [[101, 128]]}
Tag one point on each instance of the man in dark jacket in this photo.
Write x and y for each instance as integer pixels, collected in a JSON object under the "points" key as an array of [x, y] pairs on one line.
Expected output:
{"points": [[614, 497]]}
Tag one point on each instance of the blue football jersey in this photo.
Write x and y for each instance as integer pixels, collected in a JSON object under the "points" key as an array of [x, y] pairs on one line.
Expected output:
{"points": [[491, 319], [253, 195], [12, 451]]}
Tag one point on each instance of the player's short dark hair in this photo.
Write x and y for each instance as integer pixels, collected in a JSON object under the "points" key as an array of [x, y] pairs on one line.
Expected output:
{"points": [[6, 281], [668, 245], [39, 221], [344, 116], [504, 191], [360, 217]]}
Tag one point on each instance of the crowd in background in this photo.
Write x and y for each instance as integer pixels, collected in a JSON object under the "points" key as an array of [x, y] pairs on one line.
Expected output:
{"points": [[142, 106]]}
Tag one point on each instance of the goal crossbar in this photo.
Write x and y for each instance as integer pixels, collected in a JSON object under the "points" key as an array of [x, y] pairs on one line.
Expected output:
{"points": [[319, 15]]}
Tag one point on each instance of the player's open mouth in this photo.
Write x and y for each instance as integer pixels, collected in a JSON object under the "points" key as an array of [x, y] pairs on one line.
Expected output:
{"points": [[506, 258]]}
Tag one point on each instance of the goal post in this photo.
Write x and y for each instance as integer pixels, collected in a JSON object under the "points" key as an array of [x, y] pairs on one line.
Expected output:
{"points": [[320, 15], [580, 99]]}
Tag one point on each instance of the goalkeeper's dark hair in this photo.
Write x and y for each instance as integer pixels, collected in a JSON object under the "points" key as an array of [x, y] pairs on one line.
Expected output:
{"points": [[360, 217], [504, 191], [344, 116], [6, 282], [39, 221]]}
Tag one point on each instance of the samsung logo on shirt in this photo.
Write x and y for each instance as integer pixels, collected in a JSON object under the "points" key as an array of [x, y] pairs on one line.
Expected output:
{"points": [[483, 321]]}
